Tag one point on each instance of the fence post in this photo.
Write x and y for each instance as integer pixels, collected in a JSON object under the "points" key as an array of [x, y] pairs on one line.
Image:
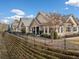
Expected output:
{"points": [[64, 43]]}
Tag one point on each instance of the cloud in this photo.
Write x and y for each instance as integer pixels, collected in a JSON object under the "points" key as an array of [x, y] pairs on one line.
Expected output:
{"points": [[5, 21], [18, 12], [14, 17], [73, 3], [66, 8], [17, 17], [30, 16]]}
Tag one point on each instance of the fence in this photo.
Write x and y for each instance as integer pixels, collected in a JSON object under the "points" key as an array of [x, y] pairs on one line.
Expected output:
{"points": [[28, 48]]}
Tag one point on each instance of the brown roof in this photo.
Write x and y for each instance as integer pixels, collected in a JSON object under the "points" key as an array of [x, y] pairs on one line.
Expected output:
{"points": [[45, 17], [54, 19]]}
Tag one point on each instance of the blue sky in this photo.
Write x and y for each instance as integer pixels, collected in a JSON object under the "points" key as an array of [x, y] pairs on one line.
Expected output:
{"points": [[32, 7]]}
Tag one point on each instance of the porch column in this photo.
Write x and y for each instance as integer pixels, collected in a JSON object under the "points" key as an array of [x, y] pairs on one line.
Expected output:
{"points": [[57, 30], [60, 29], [77, 29], [39, 30], [32, 29], [71, 29], [35, 30], [47, 29]]}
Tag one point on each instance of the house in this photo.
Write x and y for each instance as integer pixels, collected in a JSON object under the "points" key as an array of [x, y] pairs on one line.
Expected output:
{"points": [[3, 27], [14, 26], [45, 23], [24, 23]]}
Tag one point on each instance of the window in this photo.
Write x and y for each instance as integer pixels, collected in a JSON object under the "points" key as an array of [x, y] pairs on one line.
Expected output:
{"points": [[61, 29], [68, 29], [50, 30], [45, 30], [74, 28], [33, 30]]}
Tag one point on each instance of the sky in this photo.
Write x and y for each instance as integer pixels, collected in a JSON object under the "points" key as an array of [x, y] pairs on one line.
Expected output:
{"points": [[12, 9]]}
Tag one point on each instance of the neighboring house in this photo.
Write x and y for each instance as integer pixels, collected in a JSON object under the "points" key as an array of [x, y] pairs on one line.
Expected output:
{"points": [[24, 23], [14, 26], [45, 23], [3, 27]]}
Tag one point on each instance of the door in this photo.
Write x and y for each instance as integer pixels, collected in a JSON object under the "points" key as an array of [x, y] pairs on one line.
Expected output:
{"points": [[38, 31]]}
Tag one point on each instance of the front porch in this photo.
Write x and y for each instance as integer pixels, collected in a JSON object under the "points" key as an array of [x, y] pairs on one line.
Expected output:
{"points": [[42, 30], [61, 31], [36, 30]]}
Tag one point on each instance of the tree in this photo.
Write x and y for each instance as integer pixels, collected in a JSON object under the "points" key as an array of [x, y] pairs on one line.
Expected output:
{"points": [[54, 35]]}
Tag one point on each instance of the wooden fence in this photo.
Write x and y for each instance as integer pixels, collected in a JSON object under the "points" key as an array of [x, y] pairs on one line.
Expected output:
{"points": [[23, 48]]}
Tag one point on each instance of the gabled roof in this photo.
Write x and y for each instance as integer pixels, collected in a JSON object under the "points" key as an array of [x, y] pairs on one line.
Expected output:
{"points": [[26, 21], [15, 23], [53, 18], [74, 18], [44, 16]]}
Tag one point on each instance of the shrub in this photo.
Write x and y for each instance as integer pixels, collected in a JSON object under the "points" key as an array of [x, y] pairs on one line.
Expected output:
{"points": [[54, 35], [46, 35], [23, 30]]}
